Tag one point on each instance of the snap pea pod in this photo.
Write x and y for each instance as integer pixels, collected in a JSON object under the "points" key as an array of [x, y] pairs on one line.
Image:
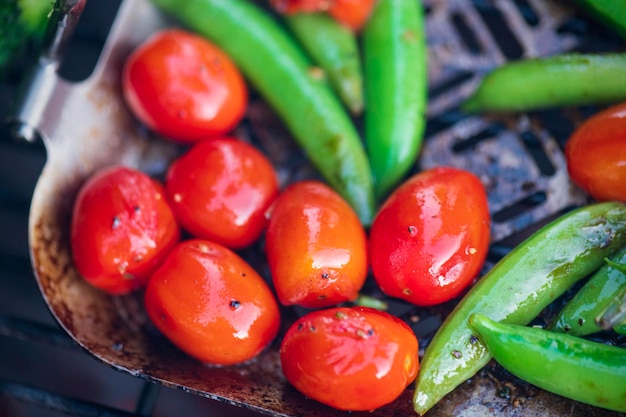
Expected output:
{"points": [[590, 372], [395, 64], [615, 314], [517, 289], [561, 80], [279, 70], [335, 49], [579, 315], [610, 12]]}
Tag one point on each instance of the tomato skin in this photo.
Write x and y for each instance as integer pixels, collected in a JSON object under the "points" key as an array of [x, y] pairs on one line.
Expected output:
{"points": [[184, 87], [351, 358], [122, 228], [596, 155], [351, 13], [212, 304], [430, 238], [316, 247], [220, 190]]}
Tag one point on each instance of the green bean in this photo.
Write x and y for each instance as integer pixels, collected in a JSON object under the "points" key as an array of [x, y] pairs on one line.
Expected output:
{"points": [[560, 80], [394, 54], [578, 317], [614, 317], [590, 372], [275, 65], [334, 48], [517, 289]]}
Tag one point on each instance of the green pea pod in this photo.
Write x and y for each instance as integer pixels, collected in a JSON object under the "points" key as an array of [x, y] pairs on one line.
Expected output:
{"points": [[610, 12], [578, 317], [585, 371], [275, 65], [335, 49], [517, 289], [560, 80], [615, 314], [395, 63]]}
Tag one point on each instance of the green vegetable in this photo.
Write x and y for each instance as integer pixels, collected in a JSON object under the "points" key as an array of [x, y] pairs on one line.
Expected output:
{"points": [[334, 48], [517, 289], [275, 65], [560, 80], [22, 23], [395, 63], [615, 314], [585, 371], [578, 317], [610, 12]]}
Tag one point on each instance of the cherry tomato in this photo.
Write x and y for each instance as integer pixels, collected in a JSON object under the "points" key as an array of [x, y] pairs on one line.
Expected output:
{"points": [[122, 228], [316, 247], [220, 190], [596, 155], [212, 304], [351, 13], [184, 87], [351, 358], [430, 238]]}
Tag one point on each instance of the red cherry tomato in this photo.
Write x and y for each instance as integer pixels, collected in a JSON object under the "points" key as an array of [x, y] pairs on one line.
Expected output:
{"points": [[351, 358], [316, 247], [220, 190], [430, 238], [596, 155], [184, 87], [212, 304], [351, 13], [122, 229]]}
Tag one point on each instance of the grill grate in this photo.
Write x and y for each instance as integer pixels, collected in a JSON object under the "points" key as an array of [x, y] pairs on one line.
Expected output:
{"points": [[43, 372]]}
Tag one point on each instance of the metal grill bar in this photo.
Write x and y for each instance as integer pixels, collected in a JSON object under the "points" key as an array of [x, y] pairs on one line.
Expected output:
{"points": [[31, 331], [48, 400]]}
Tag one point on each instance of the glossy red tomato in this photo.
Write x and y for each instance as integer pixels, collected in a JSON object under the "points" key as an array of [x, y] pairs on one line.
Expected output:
{"points": [[212, 304], [351, 358], [316, 247], [596, 155], [184, 87], [351, 13], [220, 190], [122, 229], [430, 238]]}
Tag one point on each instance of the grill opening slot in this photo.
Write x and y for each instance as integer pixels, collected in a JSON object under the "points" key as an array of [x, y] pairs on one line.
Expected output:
{"points": [[466, 35], [443, 121], [527, 11], [537, 152], [489, 132], [519, 207], [499, 28]]}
